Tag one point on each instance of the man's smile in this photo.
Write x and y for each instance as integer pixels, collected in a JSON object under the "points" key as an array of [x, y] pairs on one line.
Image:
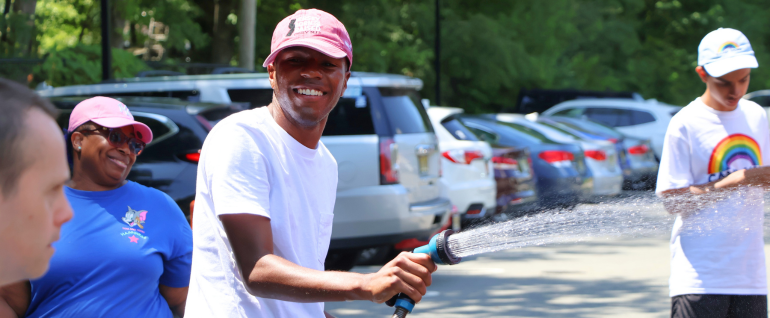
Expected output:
{"points": [[309, 91]]}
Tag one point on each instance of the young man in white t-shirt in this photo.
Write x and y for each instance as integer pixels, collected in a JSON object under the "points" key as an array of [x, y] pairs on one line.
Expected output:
{"points": [[266, 189], [711, 175]]}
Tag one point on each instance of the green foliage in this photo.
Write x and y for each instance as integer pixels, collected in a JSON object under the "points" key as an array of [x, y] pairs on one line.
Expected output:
{"points": [[16, 34], [66, 23], [489, 49], [179, 15], [81, 64]]}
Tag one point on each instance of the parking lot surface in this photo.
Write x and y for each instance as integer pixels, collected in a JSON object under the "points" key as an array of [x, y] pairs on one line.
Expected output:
{"points": [[606, 277]]}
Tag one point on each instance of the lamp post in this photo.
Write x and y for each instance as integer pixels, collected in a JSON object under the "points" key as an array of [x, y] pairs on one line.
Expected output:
{"points": [[106, 50], [437, 49], [247, 22]]}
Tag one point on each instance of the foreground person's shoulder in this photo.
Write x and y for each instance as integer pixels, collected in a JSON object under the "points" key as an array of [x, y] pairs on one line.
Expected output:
{"points": [[239, 120], [326, 155], [751, 106], [237, 129]]}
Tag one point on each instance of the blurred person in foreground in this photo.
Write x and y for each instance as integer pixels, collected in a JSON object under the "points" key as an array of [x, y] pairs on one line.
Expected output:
{"points": [[127, 251], [266, 191], [712, 175], [33, 171]]}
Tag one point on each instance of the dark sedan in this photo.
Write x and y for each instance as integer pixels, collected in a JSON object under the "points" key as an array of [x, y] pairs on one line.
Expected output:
{"points": [[560, 170]]}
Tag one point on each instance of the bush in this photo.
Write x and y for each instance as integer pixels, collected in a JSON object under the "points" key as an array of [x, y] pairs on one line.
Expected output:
{"points": [[82, 64]]}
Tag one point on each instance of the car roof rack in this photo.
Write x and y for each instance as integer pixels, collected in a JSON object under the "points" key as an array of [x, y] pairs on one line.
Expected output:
{"points": [[231, 70], [156, 73]]}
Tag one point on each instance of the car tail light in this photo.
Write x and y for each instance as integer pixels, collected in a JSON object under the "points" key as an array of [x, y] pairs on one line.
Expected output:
{"points": [[598, 155], [388, 157], [503, 163], [529, 164], [192, 156], [613, 140], [638, 150], [462, 156], [204, 122], [554, 156]]}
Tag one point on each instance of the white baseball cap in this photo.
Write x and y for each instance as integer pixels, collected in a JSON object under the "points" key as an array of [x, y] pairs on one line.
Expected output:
{"points": [[725, 50]]}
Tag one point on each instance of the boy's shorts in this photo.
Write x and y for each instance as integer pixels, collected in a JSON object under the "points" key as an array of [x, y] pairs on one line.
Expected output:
{"points": [[718, 306]]}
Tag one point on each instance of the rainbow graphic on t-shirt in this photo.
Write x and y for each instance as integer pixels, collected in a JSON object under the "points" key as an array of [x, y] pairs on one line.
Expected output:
{"points": [[736, 151], [728, 44]]}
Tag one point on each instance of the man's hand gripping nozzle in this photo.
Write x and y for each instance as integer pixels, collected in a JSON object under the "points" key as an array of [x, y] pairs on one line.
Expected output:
{"points": [[439, 252]]}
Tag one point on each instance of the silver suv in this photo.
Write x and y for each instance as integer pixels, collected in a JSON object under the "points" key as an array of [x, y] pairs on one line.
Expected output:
{"points": [[383, 141]]}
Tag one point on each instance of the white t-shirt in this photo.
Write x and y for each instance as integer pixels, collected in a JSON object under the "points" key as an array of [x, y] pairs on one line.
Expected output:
{"points": [[251, 165], [718, 249]]}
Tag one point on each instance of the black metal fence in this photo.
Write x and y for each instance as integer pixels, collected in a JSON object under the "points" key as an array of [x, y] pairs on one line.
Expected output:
{"points": [[22, 69]]}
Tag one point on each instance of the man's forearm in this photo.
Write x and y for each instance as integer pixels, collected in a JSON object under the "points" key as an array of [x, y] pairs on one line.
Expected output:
{"points": [[277, 278], [693, 198], [759, 177], [696, 197]]}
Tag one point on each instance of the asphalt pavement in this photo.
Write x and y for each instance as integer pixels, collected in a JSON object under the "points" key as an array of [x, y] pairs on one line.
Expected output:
{"points": [[603, 277]]}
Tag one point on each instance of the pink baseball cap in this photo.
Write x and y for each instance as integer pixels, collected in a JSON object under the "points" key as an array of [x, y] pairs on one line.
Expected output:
{"points": [[311, 28], [109, 113]]}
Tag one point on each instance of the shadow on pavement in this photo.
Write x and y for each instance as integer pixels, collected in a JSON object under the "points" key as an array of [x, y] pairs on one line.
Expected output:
{"points": [[480, 296], [485, 286]]}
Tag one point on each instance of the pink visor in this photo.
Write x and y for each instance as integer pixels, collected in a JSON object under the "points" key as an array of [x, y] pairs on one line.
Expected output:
{"points": [[109, 113], [314, 29]]}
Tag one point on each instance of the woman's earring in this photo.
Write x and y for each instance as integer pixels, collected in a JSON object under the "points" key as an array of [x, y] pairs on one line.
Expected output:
{"points": [[79, 148]]}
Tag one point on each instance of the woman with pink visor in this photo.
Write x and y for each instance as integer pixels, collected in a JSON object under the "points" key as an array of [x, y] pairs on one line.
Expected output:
{"points": [[127, 250]]}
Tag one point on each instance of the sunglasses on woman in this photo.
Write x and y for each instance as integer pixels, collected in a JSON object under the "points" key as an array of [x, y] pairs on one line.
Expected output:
{"points": [[117, 138]]}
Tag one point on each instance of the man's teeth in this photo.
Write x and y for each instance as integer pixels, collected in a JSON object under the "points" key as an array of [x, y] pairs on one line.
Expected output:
{"points": [[311, 92]]}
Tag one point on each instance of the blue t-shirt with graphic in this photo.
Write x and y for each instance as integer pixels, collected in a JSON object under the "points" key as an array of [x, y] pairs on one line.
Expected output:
{"points": [[112, 256]]}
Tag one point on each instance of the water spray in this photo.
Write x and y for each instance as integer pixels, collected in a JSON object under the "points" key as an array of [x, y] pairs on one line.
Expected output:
{"points": [[632, 217], [438, 249]]}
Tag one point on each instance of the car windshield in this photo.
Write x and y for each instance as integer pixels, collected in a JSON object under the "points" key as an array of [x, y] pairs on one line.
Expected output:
{"points": [[547, 131], [457, 129], [528, 131], [556, 126], [405, 112], [588, 127], [510, 134]]}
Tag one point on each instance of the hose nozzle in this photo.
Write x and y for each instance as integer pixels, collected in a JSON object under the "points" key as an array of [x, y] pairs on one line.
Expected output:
{"points": [[439, 252], [438, 249]]}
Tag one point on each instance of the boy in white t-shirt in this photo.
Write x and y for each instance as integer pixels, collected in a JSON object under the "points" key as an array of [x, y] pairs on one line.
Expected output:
{"points": [[266, 189], [711, 175]]}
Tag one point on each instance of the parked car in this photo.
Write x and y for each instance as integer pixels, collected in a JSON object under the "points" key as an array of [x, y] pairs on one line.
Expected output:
{"points": [[643, 120], [468, 178], [761, 97], [637, 159], [516, 181], [538, 100], [380, 135], [560, 169], [169, 162], [600, 155]]}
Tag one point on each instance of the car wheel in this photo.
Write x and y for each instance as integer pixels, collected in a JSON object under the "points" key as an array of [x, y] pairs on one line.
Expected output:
{"points": [[341, 260]]}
